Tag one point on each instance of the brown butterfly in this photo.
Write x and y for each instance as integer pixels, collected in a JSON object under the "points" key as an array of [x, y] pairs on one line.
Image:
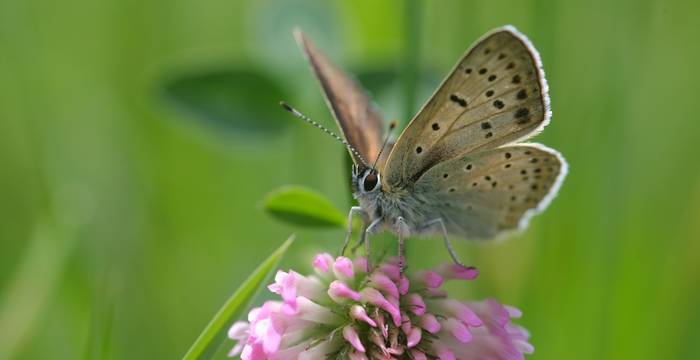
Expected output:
{"points": [[459, 167]]}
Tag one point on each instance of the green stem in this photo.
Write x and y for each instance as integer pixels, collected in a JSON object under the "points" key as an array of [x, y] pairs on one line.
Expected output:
{"points": [[411, 52]]}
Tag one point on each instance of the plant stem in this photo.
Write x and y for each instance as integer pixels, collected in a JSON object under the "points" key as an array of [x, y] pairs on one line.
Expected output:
{"points": [[411, 52]]}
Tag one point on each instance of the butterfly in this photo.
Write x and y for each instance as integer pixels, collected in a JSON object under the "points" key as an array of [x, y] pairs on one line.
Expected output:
{"points": [[460, 167]]}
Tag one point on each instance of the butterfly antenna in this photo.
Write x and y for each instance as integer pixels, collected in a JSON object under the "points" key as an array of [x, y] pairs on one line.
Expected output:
{"points": [[296, 113], [392, 126]]}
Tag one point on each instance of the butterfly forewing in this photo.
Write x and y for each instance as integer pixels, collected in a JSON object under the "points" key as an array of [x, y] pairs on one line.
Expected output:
{"points": [[355, 114], [495, 95], [483, 194]]}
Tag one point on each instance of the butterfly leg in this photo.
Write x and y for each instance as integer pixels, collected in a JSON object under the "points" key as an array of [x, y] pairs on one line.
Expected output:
{"points": [[402, 231], [366, 230], [371, 229], [353, 210], [363, 239], [439, 222]]}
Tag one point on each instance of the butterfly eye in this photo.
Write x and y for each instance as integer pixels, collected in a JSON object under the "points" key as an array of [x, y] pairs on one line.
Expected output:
{"points": [[370, 182]]}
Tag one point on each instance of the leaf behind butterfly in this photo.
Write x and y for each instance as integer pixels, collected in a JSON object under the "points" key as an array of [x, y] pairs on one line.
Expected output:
{"points": [[302, 206], [236, 102]]}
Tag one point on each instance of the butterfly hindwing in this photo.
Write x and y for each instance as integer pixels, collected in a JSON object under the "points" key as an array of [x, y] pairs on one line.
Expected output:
{"points": [[494, 96], [486, 193], [354, 112]]}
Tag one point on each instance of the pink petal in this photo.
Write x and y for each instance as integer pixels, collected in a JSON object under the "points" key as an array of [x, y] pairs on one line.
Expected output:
{"points": [[513, 311], [357, 312], [431, 279], [524, 346], [458, 272], [343, 267], [406, 324], [350, 334], [446, 354], [286, 286], [492, 309], [391, 270], [462, 311], [416, 304], [374, 297], [458, 330], [272, 340], [238, 330], [418, 355], [276, 287], [338, 291], [311, 311], [403, 285], [253, 352], [393, 301], [361, 264], [414, 337], [253, 314], [322, 262], [383, 283], [236, 350], [430, 323]]}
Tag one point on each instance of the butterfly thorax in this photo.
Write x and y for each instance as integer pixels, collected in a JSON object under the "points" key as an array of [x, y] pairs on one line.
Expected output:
{"points": [[387, 203]]}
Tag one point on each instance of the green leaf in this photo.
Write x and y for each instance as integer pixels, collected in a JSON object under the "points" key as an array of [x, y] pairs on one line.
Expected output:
{"points": [[302, 206], [233, 101], [210, 339]]}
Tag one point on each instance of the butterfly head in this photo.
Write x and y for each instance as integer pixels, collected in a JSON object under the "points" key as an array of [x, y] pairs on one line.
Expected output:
{"points": [[365, 180]]}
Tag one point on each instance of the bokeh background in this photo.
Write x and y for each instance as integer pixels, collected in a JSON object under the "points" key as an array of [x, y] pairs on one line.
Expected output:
{"points": [[137, 139]]}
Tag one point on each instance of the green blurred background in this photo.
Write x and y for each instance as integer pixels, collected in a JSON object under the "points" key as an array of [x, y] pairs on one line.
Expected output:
{"points": [[127, 218]]}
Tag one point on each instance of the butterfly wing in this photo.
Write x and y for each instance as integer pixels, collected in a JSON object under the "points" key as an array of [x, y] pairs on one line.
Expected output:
{"points": [[458, 154], [495, 95], [354, 112], [483, 194]]}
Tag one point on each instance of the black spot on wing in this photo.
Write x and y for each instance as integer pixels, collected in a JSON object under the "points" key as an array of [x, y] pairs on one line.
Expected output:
{"points": [[521, 95], [523, 115], [522, 112], [458, 100]]}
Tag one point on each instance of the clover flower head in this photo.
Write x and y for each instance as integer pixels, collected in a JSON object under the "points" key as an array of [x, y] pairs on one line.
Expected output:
{"points": [[343, 311]]}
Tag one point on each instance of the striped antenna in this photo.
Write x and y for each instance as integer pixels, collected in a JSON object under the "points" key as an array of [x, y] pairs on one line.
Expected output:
{"points": [[392, 126], [296, 113]]}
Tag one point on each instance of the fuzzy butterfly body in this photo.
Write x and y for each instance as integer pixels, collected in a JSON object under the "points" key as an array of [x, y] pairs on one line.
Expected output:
{"points": [[458, 167]]}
